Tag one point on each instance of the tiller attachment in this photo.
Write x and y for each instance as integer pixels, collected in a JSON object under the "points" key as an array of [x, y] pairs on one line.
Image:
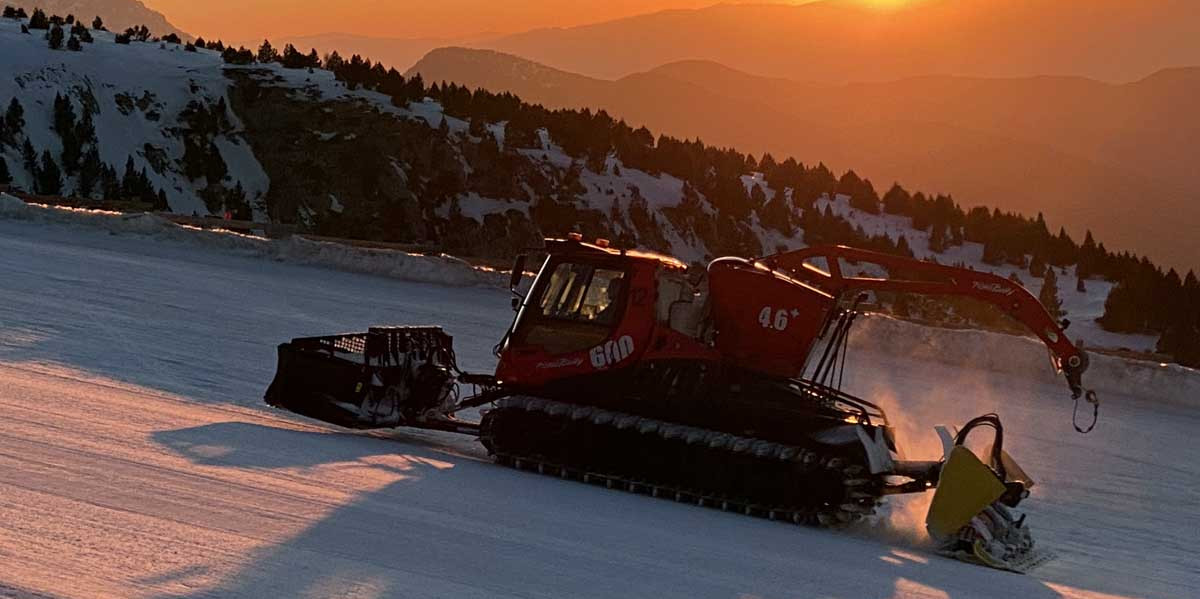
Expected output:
{"points": [[971, 517], [384, 378]]}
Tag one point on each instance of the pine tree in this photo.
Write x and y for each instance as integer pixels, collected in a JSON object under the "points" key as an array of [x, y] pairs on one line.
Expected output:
{"points": [[85, 129], [98, 24], [85, 36], [1181, 340], [1037, 266], [200, 43], [110, 188], [1080, 286], [29, 157], [334, 62], [64, 115], [49, 179], [290, 59], [91, 173], [5, 176], [937, 239], [1049, 294], [21, 14], [56, 37], [267, 53], [160, 202], [897, 200], [129, 181], [39, 20], [10, 12]]}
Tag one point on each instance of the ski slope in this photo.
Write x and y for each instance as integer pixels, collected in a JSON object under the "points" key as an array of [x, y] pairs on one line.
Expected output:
{"points": [[137, 460]]}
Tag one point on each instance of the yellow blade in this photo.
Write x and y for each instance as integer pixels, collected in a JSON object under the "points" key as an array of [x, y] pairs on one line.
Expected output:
{"points": [[966, 487], [1014, 471]]}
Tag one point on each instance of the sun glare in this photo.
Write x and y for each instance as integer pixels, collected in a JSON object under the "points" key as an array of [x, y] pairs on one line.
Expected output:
{"points": [[887, 4]]}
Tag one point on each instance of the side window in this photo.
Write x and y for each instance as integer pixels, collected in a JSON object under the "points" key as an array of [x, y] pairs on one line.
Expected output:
{"points": [[582, 293]]}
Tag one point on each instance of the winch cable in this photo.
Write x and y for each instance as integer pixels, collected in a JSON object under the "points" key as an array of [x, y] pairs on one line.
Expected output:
{"points": [[1095, 401]]}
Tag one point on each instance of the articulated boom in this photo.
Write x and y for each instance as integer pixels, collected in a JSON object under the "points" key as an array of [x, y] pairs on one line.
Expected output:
{"points": [[824, 267]]}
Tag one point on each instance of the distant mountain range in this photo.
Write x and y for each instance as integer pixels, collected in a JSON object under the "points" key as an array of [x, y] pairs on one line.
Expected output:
{"points": [[847, 40], [397, 52], [117, 14], [1113, 158]]}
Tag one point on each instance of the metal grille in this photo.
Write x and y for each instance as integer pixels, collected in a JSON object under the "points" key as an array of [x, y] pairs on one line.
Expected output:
{"points": [[387, 345]]}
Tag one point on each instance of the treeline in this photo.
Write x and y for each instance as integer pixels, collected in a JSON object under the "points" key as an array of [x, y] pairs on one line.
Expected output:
{"points": [[61, 32], [79, 159]]}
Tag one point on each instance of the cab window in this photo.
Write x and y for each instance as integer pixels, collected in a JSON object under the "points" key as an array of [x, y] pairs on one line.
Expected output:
{"points": [[582, 293], [577, 309]]}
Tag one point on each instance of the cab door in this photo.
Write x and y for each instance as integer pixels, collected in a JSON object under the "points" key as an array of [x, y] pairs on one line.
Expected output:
{"points": [[582, 316]]}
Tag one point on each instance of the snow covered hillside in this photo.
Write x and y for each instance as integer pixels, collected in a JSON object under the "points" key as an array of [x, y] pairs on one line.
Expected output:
{"points": [[135, 95], [297, 145], [137, 458], [118, 14]]}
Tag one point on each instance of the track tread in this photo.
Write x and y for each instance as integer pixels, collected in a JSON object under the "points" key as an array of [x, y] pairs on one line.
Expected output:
{"points": [[855, 497]]}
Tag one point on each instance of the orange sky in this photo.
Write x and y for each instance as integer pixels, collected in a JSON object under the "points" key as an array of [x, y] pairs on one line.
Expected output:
{"points": [[250, 19]]}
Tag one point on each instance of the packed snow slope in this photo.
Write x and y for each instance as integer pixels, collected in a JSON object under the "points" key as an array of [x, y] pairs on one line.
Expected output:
{"points": [[137, 460]]}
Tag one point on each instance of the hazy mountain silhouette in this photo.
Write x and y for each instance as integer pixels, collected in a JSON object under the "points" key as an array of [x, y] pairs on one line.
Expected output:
{"points": [[117, 14], [1113, 158], [397, 52], [845, 40]]}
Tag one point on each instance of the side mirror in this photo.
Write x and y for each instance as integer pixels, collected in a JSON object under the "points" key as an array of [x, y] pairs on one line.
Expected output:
{"points": [[518, 271]]}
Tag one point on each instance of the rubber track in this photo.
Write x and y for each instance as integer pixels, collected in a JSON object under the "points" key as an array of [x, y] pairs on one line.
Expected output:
{"points": [[811, 486]]}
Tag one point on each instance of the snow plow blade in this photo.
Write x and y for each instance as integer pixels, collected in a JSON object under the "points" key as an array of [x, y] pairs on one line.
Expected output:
{"points": [[971, 517], [384, 378], [965, 488]]}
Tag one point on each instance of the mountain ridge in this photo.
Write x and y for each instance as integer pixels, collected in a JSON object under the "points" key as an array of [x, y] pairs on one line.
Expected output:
{"points": [[840, 42], [1088, 147]]}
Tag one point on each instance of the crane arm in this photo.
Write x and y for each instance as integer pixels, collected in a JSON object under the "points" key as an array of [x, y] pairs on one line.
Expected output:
{"points": [[907, 275]]}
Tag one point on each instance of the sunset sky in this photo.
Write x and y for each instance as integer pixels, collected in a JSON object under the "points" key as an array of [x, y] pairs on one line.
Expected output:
{"points": [[243, 19]]}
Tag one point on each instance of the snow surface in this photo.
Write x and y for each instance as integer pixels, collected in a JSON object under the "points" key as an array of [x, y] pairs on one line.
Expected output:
{"points": [[444, 270], [137, 460]]}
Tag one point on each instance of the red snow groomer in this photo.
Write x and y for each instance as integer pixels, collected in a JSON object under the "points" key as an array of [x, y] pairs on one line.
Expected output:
{"points": [[721, 389]]}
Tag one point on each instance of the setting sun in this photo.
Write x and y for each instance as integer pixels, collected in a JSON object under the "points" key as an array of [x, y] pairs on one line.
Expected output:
{"points": [[887, 4]]}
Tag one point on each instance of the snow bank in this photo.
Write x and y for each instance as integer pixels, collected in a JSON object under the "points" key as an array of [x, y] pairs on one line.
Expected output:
{"points": [[441, 270], [1024, 356]]}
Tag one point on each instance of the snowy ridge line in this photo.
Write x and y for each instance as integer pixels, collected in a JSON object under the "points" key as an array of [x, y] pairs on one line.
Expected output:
{"points": [[1027, 356], [441, 270]]}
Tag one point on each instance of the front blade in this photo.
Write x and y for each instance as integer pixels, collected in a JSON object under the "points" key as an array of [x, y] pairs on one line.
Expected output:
{"points": [[966, 487]]}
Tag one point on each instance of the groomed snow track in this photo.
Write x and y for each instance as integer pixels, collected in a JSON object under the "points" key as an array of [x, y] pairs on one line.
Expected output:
{"points": [[136, 459]]}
